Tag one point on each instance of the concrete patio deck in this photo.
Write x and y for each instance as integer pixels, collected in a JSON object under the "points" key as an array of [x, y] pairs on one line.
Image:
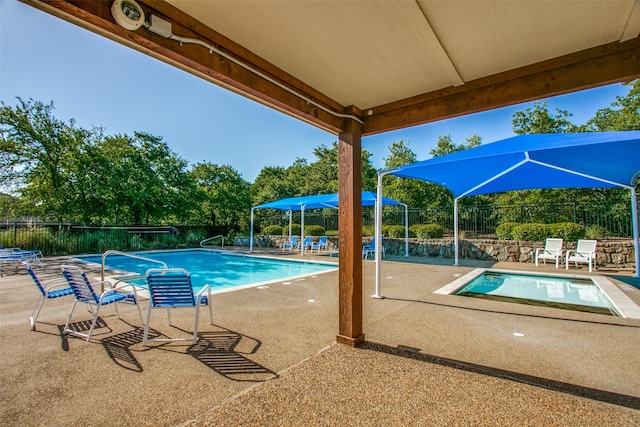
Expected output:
{"points": [[271, 359]]}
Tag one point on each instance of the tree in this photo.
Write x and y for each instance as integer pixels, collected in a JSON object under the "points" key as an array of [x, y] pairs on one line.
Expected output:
{"points": [[321, 176], [623, 114], [445, 144], [37, 152], [540, 120], [225, 196], [414, 193], [132, 179], [272, 183]]}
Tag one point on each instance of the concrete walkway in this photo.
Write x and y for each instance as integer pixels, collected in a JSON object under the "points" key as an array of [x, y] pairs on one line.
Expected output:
{"points": [[270, 359]]}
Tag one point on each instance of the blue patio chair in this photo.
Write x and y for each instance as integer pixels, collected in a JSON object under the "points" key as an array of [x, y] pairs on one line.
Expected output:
{"points": [[371, 249], [306, 244], [172, 288], [320, 244], [291, 244], [85, 294], [54, 288]]}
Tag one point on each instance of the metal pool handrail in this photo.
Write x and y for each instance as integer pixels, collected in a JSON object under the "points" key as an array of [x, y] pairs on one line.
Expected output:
{"points": [[211, 238], [111, 252]]}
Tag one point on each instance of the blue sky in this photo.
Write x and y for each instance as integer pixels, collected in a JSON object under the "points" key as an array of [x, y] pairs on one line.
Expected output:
{"points": [[98, 82]]}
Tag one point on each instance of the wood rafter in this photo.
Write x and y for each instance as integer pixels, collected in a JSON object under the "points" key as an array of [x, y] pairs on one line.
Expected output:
{"points": [[96, 16], [610, 63]]}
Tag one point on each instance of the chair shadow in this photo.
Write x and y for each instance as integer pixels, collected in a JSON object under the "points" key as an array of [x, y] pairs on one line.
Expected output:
{"points": [[83, 326], [573, 389], [118, 347], [223, 351]]}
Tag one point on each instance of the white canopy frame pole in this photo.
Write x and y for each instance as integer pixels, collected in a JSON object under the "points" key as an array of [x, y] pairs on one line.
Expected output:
{"points": [[302, 230], [251, 232], [378, 234], [290, 221], [406, 230], [455, 231], [636, 237]]}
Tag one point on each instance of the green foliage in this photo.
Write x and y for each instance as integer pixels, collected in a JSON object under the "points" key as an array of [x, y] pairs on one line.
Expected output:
{"points": [[273, 230], [394, 231], [331, 233], [295, 230], [533, 232], [594, 232], [568, 231], [445, 144], [504, 230], [624, 113], [224, 196], [368, 230], [427, 231], [314, 230], [193, 238], [412, 192], [538, 232], [540, 120]]}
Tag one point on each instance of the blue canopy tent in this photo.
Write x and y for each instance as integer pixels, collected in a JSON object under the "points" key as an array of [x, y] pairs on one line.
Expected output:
{"points": [[573, 160], [325, 201]]}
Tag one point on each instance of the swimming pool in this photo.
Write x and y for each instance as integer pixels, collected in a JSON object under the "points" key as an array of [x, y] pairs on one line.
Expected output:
{"points": [[222, 271], [586, 294]]}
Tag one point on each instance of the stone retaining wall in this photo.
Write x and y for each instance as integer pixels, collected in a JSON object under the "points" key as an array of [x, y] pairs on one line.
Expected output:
{"points": [[617, 253]]}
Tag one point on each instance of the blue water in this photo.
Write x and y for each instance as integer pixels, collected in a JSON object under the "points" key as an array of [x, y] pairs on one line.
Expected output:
{"points": [[557, 292], [219, 270]]}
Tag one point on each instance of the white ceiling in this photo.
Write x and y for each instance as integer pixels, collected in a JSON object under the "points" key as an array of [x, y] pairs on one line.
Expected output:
{"points": [[369, 53]]}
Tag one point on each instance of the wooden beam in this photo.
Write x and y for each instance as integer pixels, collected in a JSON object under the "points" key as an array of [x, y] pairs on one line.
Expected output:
{"points": [[611, 63], [198, 60], [350, 235]]}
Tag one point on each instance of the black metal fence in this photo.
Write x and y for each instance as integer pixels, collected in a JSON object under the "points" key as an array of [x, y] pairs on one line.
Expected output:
{"points": [[55, 239], [482, 220]]}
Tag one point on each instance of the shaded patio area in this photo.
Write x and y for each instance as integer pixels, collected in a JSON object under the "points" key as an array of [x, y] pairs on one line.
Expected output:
{"points": [[271, 358]]}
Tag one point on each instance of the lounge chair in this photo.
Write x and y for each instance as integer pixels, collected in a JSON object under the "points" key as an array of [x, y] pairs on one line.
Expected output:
{"points": [[320, 244], [371, 249], [54, 288], [585, 252], [552, 250], [291, 244], [16, 256], [306, 244], [85, 294], [171, 288]]}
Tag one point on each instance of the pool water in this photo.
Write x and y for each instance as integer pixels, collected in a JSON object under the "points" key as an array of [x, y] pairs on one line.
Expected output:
{"points": [[219, 270], [548, 291]]}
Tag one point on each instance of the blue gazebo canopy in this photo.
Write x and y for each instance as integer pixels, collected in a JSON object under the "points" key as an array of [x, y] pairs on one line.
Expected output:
{"points": [[321, 201], [303, 203], [566, 160]]}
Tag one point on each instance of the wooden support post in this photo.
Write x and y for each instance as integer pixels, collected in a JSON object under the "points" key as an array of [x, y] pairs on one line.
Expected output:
{"points": [[350, 234]]}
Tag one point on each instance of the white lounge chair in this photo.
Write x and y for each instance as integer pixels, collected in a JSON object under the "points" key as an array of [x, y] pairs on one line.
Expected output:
{"points": [[585, 252], [552, 250]]}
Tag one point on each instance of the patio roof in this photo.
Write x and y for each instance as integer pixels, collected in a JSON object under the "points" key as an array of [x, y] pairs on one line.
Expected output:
{"points": [[361, 68]]}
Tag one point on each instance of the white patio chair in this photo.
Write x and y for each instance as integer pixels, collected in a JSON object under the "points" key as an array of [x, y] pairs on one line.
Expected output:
{"points": [[552, 250], [585, 252]]}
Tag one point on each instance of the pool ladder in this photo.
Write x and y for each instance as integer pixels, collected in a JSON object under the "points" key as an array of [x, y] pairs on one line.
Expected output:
{"points": [[202, 243], [115, 252]]}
